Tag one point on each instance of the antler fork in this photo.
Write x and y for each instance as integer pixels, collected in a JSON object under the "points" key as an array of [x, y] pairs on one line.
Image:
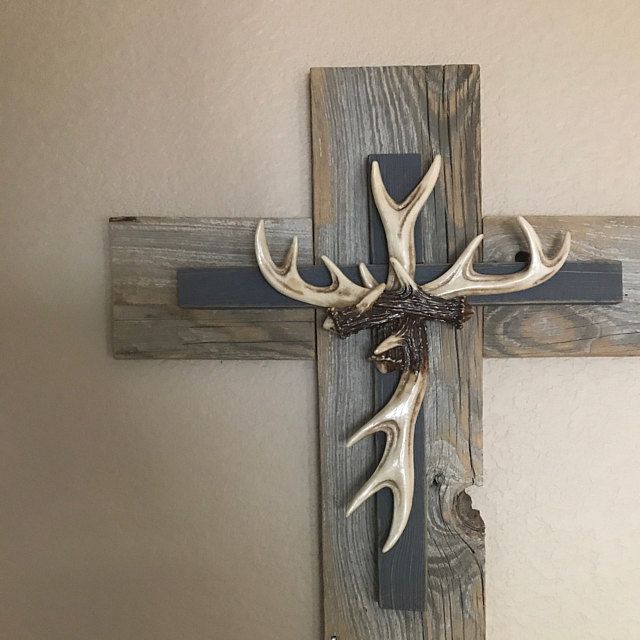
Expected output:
{"points": [[400, 308]]}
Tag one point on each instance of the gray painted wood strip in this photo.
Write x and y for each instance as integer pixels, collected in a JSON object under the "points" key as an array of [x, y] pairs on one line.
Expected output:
{"points": [[244, 287], [145, 253], [356, 112], [401, 575], [568, 330]]}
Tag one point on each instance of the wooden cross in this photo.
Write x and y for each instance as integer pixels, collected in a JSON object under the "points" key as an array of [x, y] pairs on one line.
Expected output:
{"points": [[432, 583]]}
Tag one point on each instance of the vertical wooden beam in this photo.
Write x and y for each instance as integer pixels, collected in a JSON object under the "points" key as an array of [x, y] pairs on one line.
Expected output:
{"points": [[357, 112], [453, 403]]}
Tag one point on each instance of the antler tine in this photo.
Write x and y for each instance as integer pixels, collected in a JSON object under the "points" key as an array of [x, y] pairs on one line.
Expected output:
{"points": [[366, 277], [411, 205], [399, 219], [462, 279], [395, 470], [342, 292]]}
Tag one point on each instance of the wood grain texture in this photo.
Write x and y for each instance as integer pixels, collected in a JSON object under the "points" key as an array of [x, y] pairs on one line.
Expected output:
{"points": [[146, 321], [453, 403], [568, 330], [357, 112]]}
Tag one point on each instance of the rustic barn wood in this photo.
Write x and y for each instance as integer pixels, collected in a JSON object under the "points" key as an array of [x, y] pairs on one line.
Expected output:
{"points": [[356, 112], [146, 320], [568, 330], [433, 109], [453, 406], [148, 323]]}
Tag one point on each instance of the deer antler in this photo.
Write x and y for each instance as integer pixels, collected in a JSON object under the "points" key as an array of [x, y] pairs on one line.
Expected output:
{"points": [[397, 420], [462, 279], [342, 292], [401, 308]]}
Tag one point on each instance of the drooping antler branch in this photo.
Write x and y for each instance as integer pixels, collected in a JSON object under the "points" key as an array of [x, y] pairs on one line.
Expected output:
{"points": [[405, 348], [463, 280], [395, 470]]}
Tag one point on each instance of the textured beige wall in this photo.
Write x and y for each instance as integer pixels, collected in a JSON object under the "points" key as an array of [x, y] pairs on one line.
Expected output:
{"points": [[144, 500]]}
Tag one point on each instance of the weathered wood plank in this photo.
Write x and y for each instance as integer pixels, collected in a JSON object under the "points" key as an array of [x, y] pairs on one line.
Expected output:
{"points": [[244, 287], [568, 330], [453, 403], [357, 112], [165, 331], [146, 320]]}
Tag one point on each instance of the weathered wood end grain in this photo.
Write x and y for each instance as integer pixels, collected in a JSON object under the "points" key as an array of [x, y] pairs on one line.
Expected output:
{"points": [[568, 330], [146, 320], [357, 112]]}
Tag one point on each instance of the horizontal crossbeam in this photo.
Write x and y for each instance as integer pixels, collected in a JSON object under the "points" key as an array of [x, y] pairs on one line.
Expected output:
{"points": [[244, 287]]}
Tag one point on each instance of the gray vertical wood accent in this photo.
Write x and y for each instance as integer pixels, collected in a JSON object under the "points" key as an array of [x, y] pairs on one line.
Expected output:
{"points": [[401, 573], [357, 112], [568, 330], [146, 320]]}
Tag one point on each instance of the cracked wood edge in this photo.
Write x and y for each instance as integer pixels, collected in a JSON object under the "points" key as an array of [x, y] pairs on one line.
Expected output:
{"points": [[146, 321], [568, 330], [357, 112]]}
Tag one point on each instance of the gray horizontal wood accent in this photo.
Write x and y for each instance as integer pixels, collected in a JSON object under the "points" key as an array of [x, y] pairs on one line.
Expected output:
{"points": [[244, 287], [568, 330], [145, 253]]}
